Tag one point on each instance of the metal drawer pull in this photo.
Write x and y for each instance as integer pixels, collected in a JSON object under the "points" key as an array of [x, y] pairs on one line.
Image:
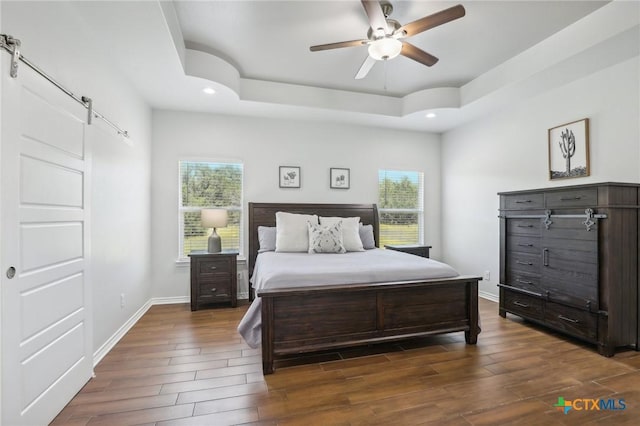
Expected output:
{"points": [[525, 245], [522, 201], [571, 198], [522, 305], [213, 290], [563, 318], [524, 263], [213, 268], [525, 226], [524, 282], [545, 257]]}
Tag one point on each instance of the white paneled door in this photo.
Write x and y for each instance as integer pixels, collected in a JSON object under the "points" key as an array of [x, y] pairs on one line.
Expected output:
{"points": [[46, 306]]}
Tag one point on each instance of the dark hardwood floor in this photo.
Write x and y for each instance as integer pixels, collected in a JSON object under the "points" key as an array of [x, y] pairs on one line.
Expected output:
{"points": [[177, 367]]}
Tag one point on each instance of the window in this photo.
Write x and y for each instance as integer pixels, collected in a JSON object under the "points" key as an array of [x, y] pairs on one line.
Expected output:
{"points": [[209, 185], [401, 207]]}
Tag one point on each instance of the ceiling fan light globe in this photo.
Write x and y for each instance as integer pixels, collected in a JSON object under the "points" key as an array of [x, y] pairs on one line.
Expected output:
{"points": [[385, 48]]}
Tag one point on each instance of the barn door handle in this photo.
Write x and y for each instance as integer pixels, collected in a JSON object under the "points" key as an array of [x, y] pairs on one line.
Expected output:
{"points": [[11, 272]]}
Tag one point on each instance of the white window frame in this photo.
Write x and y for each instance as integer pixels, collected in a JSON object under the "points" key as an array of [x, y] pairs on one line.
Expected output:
{"points": [[420, 211], [182, 210]]}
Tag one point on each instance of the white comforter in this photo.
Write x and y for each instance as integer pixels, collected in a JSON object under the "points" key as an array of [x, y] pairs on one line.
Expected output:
{"points": [[286, 270]]}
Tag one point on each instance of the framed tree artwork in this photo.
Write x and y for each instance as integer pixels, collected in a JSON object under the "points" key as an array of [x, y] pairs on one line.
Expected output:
{"points": [[569, 150]]}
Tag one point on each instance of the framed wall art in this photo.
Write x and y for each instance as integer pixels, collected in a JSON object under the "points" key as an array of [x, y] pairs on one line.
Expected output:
{"points": [[569, 150], [339, 178], [289, 177]]}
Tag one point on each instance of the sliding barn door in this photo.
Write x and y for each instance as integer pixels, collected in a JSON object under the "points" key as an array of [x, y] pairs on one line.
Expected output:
{"points": [[46, 316]]}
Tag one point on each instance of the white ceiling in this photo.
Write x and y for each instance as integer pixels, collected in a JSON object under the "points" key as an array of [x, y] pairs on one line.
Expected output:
{"points": [[269, 40], [256, 55]]}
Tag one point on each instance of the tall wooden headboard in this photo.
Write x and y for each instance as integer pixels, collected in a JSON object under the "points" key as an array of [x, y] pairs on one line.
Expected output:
{"points": [[264, 214]]}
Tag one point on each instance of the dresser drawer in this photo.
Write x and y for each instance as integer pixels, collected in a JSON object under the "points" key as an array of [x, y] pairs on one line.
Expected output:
{"points": [[523, 201], [524, 244], [573, 321], [521, 304], [524, 282], [585, 197], [523, 226], [214, 266], [523, 262]]}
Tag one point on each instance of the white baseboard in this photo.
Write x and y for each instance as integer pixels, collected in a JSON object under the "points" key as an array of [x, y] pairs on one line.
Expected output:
{"points": [[170, 300], [111, 342], [489, 296]]}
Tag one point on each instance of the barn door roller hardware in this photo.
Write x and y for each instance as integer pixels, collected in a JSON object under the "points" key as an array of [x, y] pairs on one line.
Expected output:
{"points": [[12, 45]]}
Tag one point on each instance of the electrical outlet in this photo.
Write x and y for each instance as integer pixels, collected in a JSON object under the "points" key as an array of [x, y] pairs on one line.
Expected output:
{"points": [[487, 276], [122, 300]]}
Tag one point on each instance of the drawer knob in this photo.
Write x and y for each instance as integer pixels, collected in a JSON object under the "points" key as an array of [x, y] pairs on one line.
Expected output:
{"points": [[213, 289], [563, 318], [522, 305], [213, 268]]}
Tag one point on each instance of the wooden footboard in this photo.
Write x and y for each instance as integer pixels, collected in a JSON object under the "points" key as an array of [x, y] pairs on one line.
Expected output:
{"points": [[310, 319]]}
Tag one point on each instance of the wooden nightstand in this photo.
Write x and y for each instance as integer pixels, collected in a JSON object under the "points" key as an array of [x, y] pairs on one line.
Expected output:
{"points": [[418, 250], [213, 279]]}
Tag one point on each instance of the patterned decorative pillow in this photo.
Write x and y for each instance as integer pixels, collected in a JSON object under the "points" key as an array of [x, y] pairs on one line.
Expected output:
{"points": [[326, 239]]}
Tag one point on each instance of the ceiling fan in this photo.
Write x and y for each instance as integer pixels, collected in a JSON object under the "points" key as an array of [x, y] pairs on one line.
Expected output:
{"points": [[385, 35]]}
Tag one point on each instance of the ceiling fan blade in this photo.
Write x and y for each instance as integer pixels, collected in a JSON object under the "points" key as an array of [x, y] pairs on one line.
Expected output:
{"points": [[377, 19], [432, 21], [338, 45], [365, 68], [418, 55]]}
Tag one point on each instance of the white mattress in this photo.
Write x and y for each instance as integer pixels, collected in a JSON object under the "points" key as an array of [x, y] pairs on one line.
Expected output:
{"points": [[288, 270]]}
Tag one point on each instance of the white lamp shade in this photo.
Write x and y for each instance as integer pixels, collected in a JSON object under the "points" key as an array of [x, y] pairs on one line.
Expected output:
{"points": [[385, 48], [214, 218]]}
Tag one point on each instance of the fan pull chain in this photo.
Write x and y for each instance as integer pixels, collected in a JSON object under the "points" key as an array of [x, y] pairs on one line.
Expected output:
{"points": [[385, 75]]}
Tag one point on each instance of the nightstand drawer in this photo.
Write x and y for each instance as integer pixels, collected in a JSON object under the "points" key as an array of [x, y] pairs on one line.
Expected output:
{"points": [[214, 292], [214, 266]]}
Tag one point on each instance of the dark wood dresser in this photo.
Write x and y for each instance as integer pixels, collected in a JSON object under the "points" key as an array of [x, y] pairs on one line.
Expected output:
{"points": [[416, 249], [213, 279], [569, 261]]}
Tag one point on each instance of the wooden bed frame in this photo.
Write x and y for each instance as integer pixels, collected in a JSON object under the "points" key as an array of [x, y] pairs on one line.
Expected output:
{"points": [[309, 319]]}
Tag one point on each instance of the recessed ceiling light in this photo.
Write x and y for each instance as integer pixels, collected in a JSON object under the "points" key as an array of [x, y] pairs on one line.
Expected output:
{"points": [[431, 115], [208, 90]]}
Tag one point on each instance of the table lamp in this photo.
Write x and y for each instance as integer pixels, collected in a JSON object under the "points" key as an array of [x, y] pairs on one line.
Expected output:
{"points": [[214, 218]]}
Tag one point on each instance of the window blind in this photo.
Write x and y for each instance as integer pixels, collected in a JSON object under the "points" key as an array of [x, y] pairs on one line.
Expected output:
{"points": [[401, 206], [209, 185]]}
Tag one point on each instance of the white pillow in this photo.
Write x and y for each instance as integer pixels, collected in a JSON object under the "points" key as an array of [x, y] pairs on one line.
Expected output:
{"points": [[350, 231], [292, 234], [326, 239]]}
